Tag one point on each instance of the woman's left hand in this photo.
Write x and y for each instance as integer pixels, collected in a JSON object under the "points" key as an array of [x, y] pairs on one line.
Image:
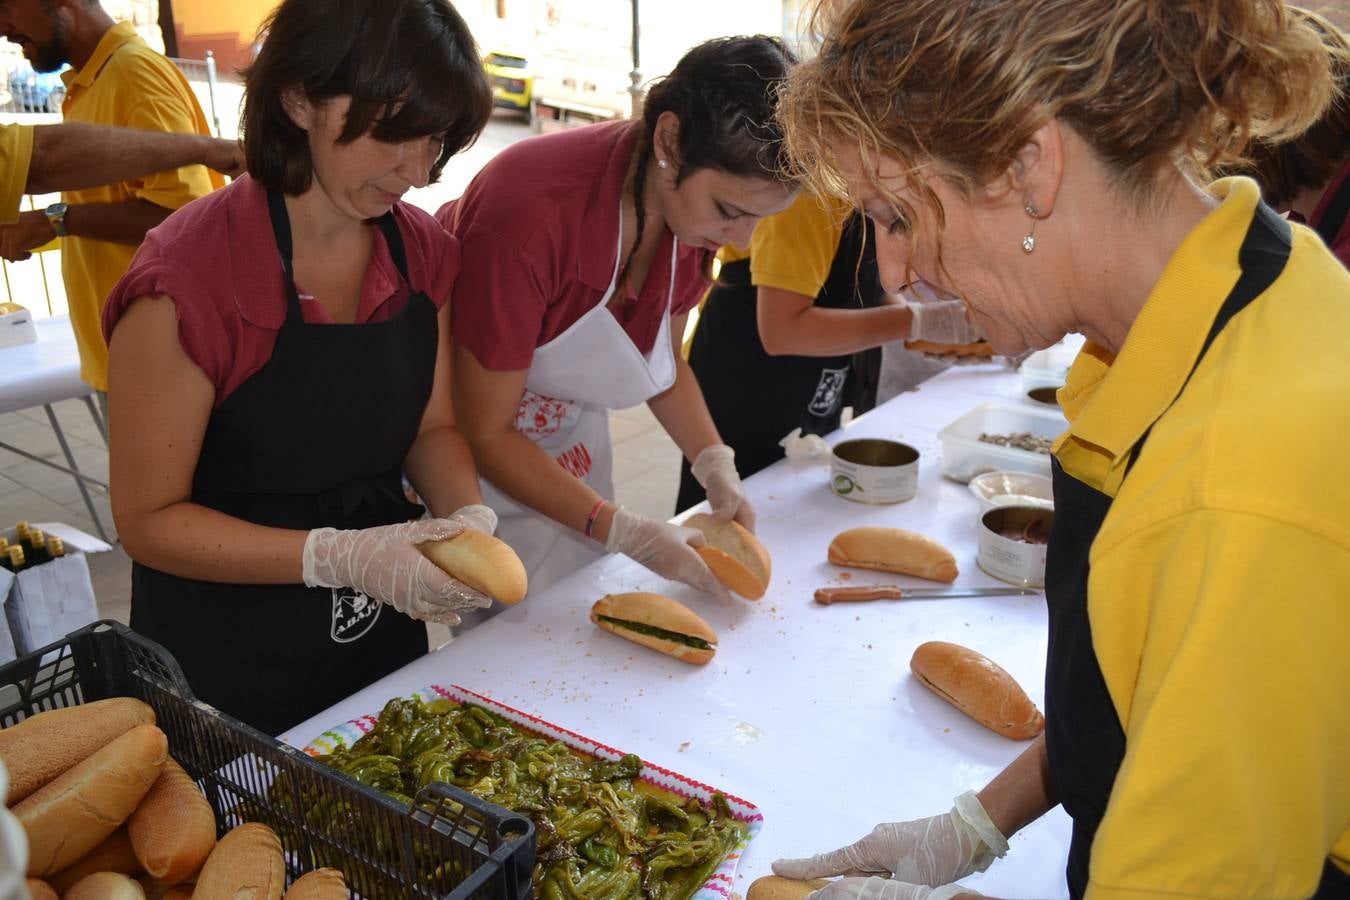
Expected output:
{"points": [[478, 517], [715, 469], [875, 888]]}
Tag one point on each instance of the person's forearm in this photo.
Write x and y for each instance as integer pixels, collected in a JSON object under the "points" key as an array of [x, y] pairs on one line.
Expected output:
{"points": [[683, 413], [819, 331], [194, 541], [440, 467], [1022, 792], [75, 155], [120, 223], [529, 475]]}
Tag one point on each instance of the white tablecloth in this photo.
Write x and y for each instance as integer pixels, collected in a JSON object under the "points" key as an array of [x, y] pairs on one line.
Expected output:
{"points": [[807, 711], [47, 371]]}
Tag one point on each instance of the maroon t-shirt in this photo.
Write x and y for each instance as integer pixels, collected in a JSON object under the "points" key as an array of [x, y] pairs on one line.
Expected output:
{"points": [[538, 229], [217, 260]]}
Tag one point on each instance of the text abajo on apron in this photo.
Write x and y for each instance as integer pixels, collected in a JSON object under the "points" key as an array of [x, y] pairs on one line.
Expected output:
{"points": [[316, 437], [574, 380]]}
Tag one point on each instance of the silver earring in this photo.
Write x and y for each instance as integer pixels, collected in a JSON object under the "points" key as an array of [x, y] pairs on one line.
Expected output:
{"points": [[1029, 242], [662, 164]]}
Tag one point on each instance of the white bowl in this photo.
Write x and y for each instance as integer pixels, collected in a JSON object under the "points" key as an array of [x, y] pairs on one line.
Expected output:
{"points": [[994, 489]]}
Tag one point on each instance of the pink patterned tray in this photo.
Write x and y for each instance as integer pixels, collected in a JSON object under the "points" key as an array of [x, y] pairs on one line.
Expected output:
{"points": [[719, 885]]}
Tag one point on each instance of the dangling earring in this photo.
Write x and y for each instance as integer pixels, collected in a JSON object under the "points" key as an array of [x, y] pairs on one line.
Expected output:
{"points": [[662, 164], [1029, 242]]}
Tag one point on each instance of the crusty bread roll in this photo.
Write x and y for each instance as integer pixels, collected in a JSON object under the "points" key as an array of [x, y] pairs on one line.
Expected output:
{"points": [[321, 884], [73, 814], [893, 550], [177, 892], [246, 865], [978, 687], [772, 887], [43, 746], [481, 561], [105, 886], [173, 829], [41, 890], [657, 622], [734, 554], [978, 348], [113, 854]]}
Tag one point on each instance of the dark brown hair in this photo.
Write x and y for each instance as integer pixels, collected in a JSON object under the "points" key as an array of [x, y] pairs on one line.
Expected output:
{"points": [[410, 67]]}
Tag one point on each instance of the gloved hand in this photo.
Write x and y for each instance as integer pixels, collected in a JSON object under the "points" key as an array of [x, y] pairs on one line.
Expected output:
{"points": [[933, 851], [875, 888], [942, 322], [384, 563], [715, 469], [478, 517], [664, 548]]}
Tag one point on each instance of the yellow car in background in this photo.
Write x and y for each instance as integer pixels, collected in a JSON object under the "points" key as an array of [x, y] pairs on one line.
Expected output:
{"points": [[511, 81]]}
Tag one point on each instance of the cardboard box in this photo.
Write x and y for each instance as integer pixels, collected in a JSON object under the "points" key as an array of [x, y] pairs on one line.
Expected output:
{"points": [[46, 602]]}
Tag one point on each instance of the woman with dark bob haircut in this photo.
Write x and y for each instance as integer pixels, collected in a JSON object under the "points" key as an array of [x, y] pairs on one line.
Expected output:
{"points": [[280, 359]]}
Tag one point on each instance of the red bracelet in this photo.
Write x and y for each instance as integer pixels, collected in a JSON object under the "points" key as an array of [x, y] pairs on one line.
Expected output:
{"points": [[595, 514]]}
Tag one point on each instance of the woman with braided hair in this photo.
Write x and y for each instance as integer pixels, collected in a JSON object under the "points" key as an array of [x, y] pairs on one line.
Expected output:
{"points": [[583, 251]]}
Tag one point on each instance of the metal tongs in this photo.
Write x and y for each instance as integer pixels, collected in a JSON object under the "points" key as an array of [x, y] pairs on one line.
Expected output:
{"points": [[826, 596]]}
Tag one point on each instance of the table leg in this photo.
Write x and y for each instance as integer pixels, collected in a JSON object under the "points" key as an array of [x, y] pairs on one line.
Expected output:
{"points": [[75, 469], [97, 416]]}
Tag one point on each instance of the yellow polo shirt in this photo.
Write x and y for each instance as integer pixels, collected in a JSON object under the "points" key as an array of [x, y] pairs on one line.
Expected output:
{"points": [[124, 83], [16, 151], [794, 250], [1219, 593]]}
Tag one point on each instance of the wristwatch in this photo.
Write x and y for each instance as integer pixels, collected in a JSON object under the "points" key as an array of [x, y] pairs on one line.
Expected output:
{"points": [[56, 214]]}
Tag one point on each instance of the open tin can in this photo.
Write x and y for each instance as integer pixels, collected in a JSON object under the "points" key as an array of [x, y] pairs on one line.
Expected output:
{"points": [[1013, 542], [873, 470]]}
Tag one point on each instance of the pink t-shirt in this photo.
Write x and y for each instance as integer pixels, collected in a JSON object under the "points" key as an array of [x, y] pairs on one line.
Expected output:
{"points": [[217, 260], [538, 229]]}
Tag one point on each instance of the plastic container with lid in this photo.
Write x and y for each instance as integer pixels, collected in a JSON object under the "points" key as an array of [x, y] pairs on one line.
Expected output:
{"points": [[964, 455], [1049, 367]]}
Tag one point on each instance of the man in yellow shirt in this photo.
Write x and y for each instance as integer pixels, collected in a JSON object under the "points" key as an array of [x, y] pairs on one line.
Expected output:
{"points": [[117, 80]]}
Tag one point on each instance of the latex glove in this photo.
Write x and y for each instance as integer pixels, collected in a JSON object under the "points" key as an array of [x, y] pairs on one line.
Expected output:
{"points": [[942, 322], [385, 564], [933, 851], [478, 517], [13, 848], [666, 549], [875, 888], [715, 469]]}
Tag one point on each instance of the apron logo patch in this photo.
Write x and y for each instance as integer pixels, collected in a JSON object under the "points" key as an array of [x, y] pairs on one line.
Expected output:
{"points": [[541, 417], [576, 460], [828, 392], [353, 615]]}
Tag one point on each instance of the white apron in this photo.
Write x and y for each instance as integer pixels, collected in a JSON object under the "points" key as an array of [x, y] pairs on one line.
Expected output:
{"points": [[574, 381]]}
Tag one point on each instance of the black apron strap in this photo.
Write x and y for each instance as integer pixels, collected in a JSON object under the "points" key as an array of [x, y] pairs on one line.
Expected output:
{"points": [[1333, 217]]}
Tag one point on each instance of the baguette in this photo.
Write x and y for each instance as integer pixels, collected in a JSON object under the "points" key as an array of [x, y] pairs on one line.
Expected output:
{"points": [[246, 865], [114, 854], [772, 887], [734, 554], [981, 349], [893, 550], [41, 747], [481, 561], [978, 687], [75, 813], [657, 622], [41, 890], [173, 830], [321, 884], [105, 886]]}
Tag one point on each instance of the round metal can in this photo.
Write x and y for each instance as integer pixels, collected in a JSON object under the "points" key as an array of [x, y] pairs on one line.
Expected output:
{"points": [[874, 470], [1013, 541]]}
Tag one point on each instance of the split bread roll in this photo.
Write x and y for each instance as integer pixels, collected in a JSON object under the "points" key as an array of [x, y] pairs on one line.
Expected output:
{"points": [[893, 550], [41, 747], [978, 348], [246, 865], [321, 884], [114, 854], [73, 814], [178, 892], [105, 886], [657, 622], [734, 554], [978, 687], [173, 829], [481, 561], [772, 887], [41, 890]]}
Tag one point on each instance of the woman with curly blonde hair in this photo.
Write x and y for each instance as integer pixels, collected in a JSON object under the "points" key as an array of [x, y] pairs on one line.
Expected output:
{"points": [[1048, 161]]}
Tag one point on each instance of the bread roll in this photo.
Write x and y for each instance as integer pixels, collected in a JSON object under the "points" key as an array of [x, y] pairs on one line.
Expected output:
{"points": [[114, 854], [482, 562], [893, 550], [178, 892], [321, 884], [173, 829], [105, 886], [43, 746], [734, 554], [772, 887], [657, 622], [246, 865], [978, 348], [978, 687], [73, 814], [41, 890]]}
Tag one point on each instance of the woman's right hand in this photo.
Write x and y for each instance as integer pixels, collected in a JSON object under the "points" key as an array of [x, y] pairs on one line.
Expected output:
{"points": [[666, 549], [384, 563]]}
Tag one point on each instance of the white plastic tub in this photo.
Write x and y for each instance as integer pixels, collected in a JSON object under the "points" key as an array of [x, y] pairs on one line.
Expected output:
{"points": [[964, 455]]}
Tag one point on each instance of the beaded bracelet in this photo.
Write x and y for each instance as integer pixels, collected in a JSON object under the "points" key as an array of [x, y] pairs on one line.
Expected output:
{"points": [[595, 514]]}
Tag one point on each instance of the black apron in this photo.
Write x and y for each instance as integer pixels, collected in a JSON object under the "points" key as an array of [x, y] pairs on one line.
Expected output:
{"points": [[755, 398], [315, 438], [1333, 217], [1083, 734]]}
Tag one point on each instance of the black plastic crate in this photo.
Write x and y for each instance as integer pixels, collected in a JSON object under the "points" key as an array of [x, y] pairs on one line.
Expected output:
{"points": [[449, 845]]}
